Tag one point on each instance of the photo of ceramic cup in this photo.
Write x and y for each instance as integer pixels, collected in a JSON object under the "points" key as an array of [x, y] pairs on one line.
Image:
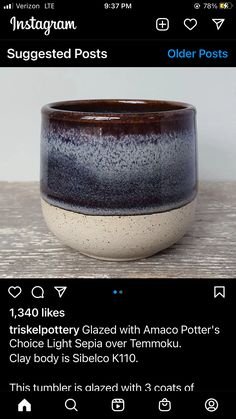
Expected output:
{"points": [[118, 177]]}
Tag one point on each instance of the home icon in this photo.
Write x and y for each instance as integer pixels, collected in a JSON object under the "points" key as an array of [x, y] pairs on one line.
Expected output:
{"points": [[24, 406]]}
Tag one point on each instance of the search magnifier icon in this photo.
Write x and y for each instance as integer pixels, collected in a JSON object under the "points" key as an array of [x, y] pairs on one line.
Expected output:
{"points": [[70, 404]]}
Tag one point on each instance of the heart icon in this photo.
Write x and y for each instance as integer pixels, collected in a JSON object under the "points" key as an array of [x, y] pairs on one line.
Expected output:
{"points": [[190, 23], [15, 291]]}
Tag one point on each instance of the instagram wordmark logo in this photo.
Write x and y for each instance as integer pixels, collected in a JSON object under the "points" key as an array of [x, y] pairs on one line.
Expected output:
{"points": [[42, 25]]}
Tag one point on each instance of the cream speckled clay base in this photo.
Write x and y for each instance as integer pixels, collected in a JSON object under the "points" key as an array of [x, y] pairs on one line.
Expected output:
{"points": [[119, 238]]}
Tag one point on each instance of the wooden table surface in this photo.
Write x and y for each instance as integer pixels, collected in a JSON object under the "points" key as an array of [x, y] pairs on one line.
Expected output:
{"points": [[29, 250]]}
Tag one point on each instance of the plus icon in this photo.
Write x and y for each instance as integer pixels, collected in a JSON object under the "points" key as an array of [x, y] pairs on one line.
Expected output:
{"points": [[162, 24]]}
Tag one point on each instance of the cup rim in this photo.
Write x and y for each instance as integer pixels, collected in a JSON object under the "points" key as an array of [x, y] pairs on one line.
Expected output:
{"points": [[156, 110]]}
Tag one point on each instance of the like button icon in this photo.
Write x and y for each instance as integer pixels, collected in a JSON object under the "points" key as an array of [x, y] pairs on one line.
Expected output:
{"points": [[14, 291]]}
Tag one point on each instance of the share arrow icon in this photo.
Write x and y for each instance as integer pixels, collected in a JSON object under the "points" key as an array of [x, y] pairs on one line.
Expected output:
{"points": [[60, 290], [218, 22]]}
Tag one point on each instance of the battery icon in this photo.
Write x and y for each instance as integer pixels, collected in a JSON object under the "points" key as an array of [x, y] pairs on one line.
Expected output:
{"points": [[226, 6]]}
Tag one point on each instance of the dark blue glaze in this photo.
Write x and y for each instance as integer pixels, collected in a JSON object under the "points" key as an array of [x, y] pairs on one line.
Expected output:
{"points": [[118, 167]]}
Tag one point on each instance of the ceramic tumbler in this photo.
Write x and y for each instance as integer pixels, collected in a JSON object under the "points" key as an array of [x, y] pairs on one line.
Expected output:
{"points": [[118, 177]]}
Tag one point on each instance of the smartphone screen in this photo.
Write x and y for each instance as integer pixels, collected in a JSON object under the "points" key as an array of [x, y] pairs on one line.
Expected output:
{"points": [[118, 209]]}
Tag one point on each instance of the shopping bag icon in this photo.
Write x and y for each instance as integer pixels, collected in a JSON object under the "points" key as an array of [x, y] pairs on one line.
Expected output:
{"points": [[164, 405]]}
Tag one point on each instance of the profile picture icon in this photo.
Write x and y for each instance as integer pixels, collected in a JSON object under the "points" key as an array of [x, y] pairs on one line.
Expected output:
{"points": [[211, 405]]}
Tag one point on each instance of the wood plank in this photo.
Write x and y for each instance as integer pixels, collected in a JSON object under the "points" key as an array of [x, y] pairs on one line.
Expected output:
{"points": [[28, 249]]}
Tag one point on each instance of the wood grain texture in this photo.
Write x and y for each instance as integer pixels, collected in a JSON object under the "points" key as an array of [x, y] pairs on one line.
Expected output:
{"points": [[29, 250]]}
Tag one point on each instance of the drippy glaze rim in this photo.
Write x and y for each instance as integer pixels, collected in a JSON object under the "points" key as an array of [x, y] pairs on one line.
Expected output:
{"points": [[170, 110]]}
